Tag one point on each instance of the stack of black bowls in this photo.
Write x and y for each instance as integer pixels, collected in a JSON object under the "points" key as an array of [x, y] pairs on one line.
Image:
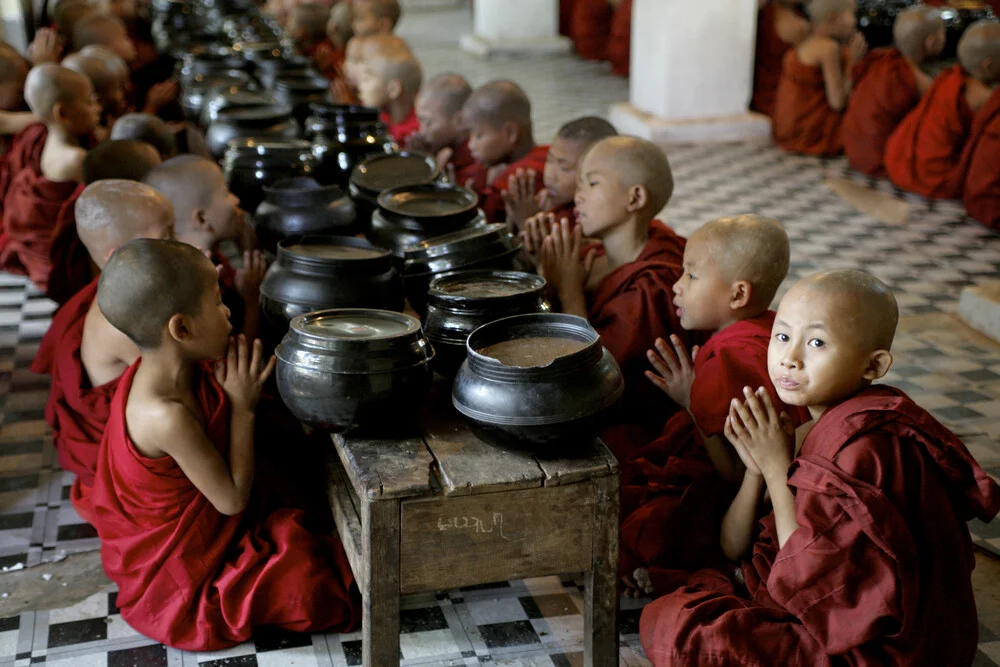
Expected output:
{"points": [[379, 173]]}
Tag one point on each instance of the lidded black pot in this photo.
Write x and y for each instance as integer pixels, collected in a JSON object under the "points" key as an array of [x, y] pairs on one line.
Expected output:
{"points": [[410, 214], [301, 206], [252, 163], [343, 136], [273, 121], [379, 173]]}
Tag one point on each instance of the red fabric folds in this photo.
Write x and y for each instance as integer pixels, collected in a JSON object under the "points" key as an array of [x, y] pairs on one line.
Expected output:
{"points": [[769, 56], [980, 165], [192, 578], [885, 90], [591, 27], [620, 43], [882, 496], [402, 130], [490, 199], [803, 121], [71, 264]]}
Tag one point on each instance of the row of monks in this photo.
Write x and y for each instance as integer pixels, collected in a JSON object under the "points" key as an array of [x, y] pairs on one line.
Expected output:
{"points": [[938, 136], [779, 505]]}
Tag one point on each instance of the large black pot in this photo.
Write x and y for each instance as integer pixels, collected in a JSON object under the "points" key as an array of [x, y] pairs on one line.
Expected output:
{"points": [[321, 272], [299, 91], [300, 207], [477, 247], [876, 18], [355, 368], [378, 173], [562, 401], [208, 61], [271, 122], [195, 93], [270, 69], [341, 146], [329, 117], [252, 163], [410, 214], [231, 98], [459, 303]]}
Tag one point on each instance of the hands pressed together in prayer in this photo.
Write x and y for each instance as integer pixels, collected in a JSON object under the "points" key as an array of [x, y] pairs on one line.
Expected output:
{"points": [[764, 439], [563, 266], [674, 370]]}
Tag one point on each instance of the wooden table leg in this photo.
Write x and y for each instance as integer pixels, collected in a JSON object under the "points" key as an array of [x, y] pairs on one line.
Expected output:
{"points": [[380, 600], [600, 616]]}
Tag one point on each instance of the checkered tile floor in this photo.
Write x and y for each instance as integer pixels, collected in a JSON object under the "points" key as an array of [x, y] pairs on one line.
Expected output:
{"points": [[927, 261]]}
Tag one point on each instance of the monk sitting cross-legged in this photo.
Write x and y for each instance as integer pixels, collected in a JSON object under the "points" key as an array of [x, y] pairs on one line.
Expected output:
{"points": [[866, 557], [82, 352], [888, 83], [389, 80], [924, 154], [816, 81], [198, 566], [44, 167], [780, 26], [441, 132], [678, 487], [624, 183]]}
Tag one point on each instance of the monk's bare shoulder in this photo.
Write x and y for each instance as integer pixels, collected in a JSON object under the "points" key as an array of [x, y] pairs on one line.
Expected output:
{"points": [[791, 27], [818, 49], [105, 352], [977, 93], [63, 163], [157, 425]]}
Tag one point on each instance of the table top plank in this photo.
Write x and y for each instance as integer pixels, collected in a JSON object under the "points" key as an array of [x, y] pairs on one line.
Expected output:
{"points": [[386, 468], [591, 460]]}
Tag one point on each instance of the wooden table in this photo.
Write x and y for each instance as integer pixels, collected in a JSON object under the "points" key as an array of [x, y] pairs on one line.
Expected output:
{"points": [[446, 510]]}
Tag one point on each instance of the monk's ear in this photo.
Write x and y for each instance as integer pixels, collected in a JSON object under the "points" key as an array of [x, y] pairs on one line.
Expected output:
{"points": [[511, 132], [198, 220], [59, 112], [394, 89], [742, 292], [878, 365], [178, 328], [638, 197]]}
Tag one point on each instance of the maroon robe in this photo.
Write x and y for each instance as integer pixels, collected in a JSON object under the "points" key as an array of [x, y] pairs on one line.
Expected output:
{"points": [[491, 199], [402, 130], [768, 58], [980, 165], [591, 27], [620, 43], [803, 121], [72, 268]]}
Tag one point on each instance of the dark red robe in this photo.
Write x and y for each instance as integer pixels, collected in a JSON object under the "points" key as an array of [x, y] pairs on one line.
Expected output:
{"points": [[76, 411], [879, 570], [885, 90], [466, 168], [981, 165], [803, 121], [566, 17], [195, 579], [402, 130], [71, 264], [672, 499], [924, 152], [620, 43], [591, 27], [768, 59], [490, 199], [327, 59], [631, 308], [30, 209]]}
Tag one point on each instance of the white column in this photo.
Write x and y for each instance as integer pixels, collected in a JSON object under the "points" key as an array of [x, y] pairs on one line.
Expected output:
{"points": [[691, 72], [515, 26]]}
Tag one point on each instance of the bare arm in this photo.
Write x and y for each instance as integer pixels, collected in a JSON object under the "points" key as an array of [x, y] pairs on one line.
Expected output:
{"points": [[783, 502], [838, 82], [737, 525], [12, 122]]}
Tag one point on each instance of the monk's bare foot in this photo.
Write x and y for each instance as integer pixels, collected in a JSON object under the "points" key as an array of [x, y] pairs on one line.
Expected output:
{"points": [[643, 581], [630, 589]]}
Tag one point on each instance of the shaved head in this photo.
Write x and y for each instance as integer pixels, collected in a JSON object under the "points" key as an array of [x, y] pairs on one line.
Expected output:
{"points": [[146, 128], [450, 90], [338, 26], [96, 29], [109, 55], [821, 11], [70, 12], [128, 160], [100, 72], [913, 28], [751, 248], [979, 51], [112, 212], [308, 21], [190, 182], [147, 281], [637, 162], [383, 9], [587, 130], [48, 85], [499, 102], [862, 299], [392, 59]]}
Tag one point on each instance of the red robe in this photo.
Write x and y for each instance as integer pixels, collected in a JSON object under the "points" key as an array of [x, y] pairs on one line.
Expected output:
{"points": [[924, 152], [402, 130], [591, 26], [566, 17], [490, 199], [195, 579], [30, 209], [76, 411], [885, 90], [327, 60], [631, 308], [981, 165], [71, 265], [879, 570], [466, 168], [620, 42], [803, 121], [768, 59], [672, 499]]}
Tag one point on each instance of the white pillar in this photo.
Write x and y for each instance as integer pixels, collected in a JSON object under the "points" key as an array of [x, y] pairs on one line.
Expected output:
{"points": [[691, 72], [515, 26]]}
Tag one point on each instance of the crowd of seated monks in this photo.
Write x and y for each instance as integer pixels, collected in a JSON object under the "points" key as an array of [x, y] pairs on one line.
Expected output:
{"points": [[778, 503], [936, 136]]}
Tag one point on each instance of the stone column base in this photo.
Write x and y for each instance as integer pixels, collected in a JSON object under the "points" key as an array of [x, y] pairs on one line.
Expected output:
{"points": [[630, 120], [485, 47], [979, 307]]}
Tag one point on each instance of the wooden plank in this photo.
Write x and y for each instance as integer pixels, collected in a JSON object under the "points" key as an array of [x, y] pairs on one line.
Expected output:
{"points": [[386, 468], [380, 596], [600, 612], [588, 461], [346, 516], [466, 540]]}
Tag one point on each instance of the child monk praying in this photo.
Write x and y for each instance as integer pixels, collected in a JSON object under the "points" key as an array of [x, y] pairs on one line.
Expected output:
{"points": [[888, 83], [816, 81], [780, 27], [624, 182], [923, 155], [867, 542], [198, 566], [442, 132], [676, 490], [389, 80], [82, 352], [375, 17]]}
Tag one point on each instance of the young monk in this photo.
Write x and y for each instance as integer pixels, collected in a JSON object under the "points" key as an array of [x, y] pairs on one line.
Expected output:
{"points": [[816, 81], [72, 268], [44, 167], [108, 81], [888, 83], [624, 183], [866, 557], [389, 80], [206, 214], [498, 117], [676, 491], [68, 13], [375, 17], [345, 87], [149, 129], [83, 353], [780, 26], [559, 176], [924, 154], [981, 193], [105, 30], [442, 132], [197, 566]]}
